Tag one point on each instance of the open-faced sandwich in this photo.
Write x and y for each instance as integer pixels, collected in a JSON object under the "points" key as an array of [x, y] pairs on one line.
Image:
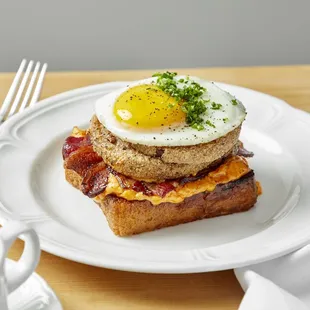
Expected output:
{"points": [[162, 152]]}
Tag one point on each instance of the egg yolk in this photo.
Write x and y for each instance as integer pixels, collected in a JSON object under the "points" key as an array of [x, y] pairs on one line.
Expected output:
{"points": [[147, 106]]}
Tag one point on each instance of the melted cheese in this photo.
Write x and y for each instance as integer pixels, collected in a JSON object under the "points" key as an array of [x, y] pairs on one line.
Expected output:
{"points": [[233, 169], [78, 133]]}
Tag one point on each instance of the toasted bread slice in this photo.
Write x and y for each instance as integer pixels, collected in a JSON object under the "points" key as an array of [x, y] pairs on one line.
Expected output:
{"points": [[133, 217]]}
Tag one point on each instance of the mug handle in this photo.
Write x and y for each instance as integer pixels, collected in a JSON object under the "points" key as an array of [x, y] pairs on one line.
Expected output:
{"points": [[29, 258]]}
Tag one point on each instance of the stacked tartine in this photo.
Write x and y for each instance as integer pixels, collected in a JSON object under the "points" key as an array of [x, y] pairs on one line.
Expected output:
{"points": [[162, 152]]}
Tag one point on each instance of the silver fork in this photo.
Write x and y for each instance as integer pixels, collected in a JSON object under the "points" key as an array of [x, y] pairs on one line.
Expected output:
{"points": [[12, 102]]}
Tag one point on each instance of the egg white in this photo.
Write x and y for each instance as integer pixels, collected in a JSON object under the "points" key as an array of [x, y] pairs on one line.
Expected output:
{"points": [[178, 136]]}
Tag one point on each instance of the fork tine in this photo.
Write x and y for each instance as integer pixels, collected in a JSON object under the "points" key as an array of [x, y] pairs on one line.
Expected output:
{"points": [[10, 95], [30, 86], [21, 89], [37, 90]]}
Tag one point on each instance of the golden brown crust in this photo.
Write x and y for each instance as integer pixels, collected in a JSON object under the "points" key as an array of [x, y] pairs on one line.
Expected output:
{"points": [[134, 217], [73, 178], [158, 164]]}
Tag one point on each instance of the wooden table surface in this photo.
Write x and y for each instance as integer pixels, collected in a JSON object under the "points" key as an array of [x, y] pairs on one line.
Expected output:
{"points": [[82, 287]]}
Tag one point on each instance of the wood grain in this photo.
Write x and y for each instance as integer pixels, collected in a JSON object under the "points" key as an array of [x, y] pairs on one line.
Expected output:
{"points": [[82, 287]]}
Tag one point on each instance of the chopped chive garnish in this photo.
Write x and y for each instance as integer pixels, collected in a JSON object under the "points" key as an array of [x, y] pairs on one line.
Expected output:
{"points": [[216, 106], [210, 124], [189, 96]]}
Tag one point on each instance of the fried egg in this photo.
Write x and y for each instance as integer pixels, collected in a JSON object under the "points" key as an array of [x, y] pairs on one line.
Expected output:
{"points": [[142, 113]]}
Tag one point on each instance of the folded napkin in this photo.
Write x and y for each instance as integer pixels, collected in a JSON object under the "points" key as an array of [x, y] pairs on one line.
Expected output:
{"points": [[282, 283]]}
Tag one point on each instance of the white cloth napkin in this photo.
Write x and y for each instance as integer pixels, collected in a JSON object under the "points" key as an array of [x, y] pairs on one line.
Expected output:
{"points": [[282, 283]]}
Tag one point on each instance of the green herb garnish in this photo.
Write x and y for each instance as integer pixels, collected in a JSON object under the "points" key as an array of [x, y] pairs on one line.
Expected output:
{"points": [[234, 101], [216, 106], [210, 124], [189, 97], [225, 120], [198, 126]]}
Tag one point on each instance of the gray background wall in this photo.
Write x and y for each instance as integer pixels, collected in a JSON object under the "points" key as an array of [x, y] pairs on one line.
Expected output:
{"points": [[120, 34]]}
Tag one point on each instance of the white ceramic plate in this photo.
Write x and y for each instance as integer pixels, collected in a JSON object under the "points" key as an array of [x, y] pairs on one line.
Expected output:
{"points": [[34, 294], [33, 189]]}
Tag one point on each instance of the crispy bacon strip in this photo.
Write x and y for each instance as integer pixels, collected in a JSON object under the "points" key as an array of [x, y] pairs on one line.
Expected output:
{"points": [[74, 143], [162, 189], [95, 180], [82, 160], [139, 186], [124, 182]]}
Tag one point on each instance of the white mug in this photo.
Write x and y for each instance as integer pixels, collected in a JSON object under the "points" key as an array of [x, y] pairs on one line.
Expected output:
{"points": [[11, 279]]}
